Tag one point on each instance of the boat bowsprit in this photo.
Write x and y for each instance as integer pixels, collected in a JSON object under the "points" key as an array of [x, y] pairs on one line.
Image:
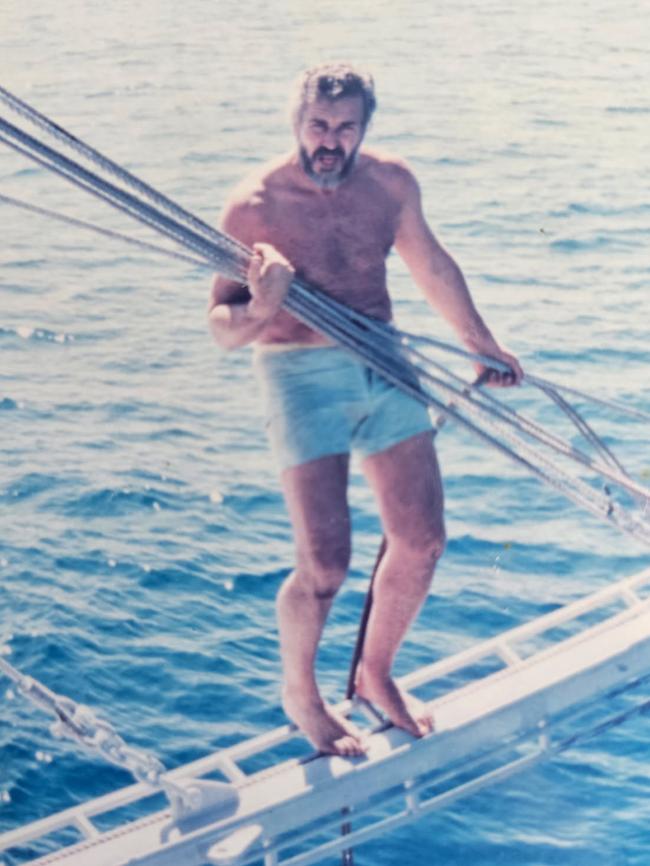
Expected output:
{"points": [[499, 708]]}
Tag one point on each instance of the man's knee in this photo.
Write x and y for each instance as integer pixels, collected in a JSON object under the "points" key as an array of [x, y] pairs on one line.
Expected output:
{"points": [[434, 544], [424, 546], [322, 567]]}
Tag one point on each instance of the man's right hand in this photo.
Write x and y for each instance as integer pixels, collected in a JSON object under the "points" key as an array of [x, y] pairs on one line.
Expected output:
{"points": [[269, 277]]}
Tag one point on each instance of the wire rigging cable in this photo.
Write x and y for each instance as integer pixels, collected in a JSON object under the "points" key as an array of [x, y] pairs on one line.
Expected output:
{"points": [[100, 230], [402, 358]]}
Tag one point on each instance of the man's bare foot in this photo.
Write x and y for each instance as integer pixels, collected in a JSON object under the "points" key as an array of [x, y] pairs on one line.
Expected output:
{"points": [[328, 731], [403, 710]]}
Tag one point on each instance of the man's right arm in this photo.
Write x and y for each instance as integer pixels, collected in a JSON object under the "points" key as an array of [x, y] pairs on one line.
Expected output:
{"points": [[238, 314], [229, 315]]}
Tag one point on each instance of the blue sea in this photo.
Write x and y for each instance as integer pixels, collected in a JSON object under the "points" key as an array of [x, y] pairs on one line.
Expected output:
{"points": [[143, 535]]}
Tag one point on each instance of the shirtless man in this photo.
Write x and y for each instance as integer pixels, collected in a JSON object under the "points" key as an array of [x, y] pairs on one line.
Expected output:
{"points": [[329, 212]]}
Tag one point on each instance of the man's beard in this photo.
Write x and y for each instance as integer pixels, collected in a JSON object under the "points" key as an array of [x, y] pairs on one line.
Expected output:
{"points": [[327, 179]]}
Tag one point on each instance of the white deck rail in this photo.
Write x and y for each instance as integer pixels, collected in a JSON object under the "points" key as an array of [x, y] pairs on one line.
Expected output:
{"points": [[500, 707]]}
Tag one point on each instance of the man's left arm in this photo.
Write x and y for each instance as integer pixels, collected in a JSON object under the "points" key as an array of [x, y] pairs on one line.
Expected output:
{"points": [[443, 283]]}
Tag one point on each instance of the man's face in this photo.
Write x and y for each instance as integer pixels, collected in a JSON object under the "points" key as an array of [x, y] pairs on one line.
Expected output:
{"points": [[329, 134]]}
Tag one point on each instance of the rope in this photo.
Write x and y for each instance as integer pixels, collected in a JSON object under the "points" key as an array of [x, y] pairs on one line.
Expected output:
{"points": [[620, 408], [108, 233], [380, 346], [516, 419], [55, 130], [124, 201]]}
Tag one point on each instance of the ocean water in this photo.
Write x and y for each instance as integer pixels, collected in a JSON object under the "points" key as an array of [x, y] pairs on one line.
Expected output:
{"points": [[142, 531]]}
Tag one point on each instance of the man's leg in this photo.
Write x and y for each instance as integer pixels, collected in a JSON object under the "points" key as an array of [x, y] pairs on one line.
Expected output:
{"points": [[406, 482], [316, 496]]}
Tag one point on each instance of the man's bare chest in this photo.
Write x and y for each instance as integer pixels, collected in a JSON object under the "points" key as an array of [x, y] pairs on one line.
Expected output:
{"points": [[333, 231]]}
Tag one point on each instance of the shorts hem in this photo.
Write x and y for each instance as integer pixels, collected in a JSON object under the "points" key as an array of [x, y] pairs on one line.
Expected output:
{"points": [[394, 440], [361, 453]]}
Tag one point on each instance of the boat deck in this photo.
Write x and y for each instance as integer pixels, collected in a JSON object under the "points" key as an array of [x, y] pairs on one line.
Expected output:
{"points": [[499, 707]]}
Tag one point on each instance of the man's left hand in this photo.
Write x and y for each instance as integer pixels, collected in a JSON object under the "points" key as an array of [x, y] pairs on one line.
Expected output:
{"points": [[497, 378]]}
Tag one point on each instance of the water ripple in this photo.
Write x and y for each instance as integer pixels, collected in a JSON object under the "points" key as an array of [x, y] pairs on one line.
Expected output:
{"points": [[144, 536]]}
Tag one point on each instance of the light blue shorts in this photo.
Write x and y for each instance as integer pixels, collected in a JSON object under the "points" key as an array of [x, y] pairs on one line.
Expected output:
{"points": [[321, 401]]}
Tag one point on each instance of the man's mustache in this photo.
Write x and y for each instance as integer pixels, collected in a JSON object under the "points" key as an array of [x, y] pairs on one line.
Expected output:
{"points": [[326, 151]]}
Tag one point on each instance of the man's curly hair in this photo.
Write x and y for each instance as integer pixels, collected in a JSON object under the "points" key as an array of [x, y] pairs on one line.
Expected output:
{"points": [[334, 81]]}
